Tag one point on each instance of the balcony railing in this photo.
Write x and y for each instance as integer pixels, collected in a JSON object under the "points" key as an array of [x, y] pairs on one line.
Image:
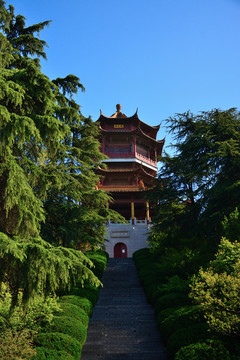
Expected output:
{"points": [[131, 222], [146, 159], [124, 153], [119, 187], [119, 154]]}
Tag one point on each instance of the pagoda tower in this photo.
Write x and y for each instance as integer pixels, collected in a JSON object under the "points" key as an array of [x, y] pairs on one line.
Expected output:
{"points": [[132, 151]]}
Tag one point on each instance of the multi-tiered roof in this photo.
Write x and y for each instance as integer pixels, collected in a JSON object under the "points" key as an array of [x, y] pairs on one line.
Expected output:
{"points": [[132, 149]]}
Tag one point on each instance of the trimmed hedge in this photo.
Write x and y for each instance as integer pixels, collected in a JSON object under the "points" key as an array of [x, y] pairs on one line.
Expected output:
{"points": [[64, 337], [99, 258], [70, 326], [165, 313], [179, 319], [84, 303], [90, 293], [182, 325], [187, 336], [171, 300], [46, 354], [175, 284], [59, 342], [71, 310], [208, 350]]}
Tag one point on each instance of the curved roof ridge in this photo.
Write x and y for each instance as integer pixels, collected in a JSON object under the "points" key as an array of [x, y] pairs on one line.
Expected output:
{"points": [[136, 170], [132, 131], [145, 172], [120, 115]]}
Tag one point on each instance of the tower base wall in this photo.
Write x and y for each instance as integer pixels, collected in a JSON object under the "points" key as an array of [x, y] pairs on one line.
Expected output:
{"points": [[132, 237]]}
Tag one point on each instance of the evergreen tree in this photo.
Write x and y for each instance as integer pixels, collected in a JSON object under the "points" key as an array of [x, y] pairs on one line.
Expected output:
{"points": [[48, 154], [199, 184]]}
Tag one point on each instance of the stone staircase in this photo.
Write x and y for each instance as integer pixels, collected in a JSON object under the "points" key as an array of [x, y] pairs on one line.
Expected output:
{"points": [[123, 325]]}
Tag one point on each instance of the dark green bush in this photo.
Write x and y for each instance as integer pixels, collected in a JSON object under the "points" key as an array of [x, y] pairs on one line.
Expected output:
{"points": [[187, 336], [208, 350], [232, 344], [59, 342], [171, 300], [180, 322], [74, 311], [69, 326], [141, 253], [99, 258], [174, 284], [163, 314], [46, 354], [90, 293], [83, 303], [67, 333], [179, 319], [149, 289]]}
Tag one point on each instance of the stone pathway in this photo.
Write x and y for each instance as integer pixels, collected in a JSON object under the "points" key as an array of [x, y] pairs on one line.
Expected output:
{"points": [[123, 325]]}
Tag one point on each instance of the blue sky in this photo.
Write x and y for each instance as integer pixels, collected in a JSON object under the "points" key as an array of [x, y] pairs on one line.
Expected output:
{"points": [[160, 56]]}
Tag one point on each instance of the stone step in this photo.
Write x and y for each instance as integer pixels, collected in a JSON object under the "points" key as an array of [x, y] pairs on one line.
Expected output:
{"points": [[123, 326]]}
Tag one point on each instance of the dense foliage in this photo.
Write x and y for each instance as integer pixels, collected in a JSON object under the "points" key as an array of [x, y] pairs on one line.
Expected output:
{"points": [[49, 325], [217, 289], [50, 210], [48, 155], [191, 273], [199, 185], [68, 329]]}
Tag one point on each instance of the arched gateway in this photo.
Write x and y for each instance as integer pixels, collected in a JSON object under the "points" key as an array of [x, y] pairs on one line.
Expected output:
{"points": [[120, 250], [132, 150]]}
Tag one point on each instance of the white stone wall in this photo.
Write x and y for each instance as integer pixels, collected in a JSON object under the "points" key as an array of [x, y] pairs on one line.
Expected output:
{"points": [[133, 236]]}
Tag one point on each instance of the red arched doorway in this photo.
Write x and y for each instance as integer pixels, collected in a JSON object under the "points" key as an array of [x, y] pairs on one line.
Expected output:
{"points": [[120, 250]]}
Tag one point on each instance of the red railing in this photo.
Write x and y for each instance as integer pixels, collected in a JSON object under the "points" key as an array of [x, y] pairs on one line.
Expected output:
{"points": [[122, 153], [146, 159]]}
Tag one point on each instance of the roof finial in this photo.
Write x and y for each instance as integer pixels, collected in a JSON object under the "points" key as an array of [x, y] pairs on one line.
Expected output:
{"points": [[118, 106]]}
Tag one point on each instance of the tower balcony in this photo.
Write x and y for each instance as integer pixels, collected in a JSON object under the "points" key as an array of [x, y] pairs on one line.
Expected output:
{"points": [[146, 159], [119, 153], [126, 154]]}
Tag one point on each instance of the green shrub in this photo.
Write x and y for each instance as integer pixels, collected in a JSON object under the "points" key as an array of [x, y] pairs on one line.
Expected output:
{"points": [[217, 287], [99, 258], [186, 336], [16, 344], [208, 350], [90, 293], [232, 344], [180, 319], [174, 284], [38, 312], [71, 310], [141, 253], [83, 303], [70, 326], [172, 300], [151, 277], [59, 342], [157, 286], [163, 314], [46, 354], [231, 226]]}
